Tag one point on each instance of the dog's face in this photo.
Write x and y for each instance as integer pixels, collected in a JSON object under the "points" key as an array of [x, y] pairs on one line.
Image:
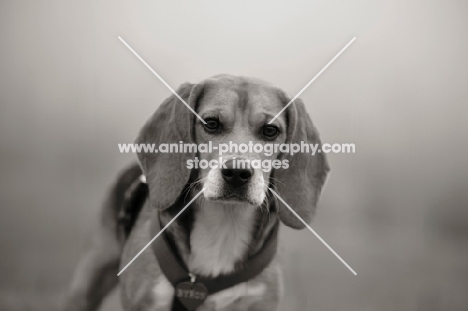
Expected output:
{"points": [[238, 111]]}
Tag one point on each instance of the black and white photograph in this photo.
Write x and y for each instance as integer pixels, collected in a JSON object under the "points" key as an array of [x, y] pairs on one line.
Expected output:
{"points": [[234, 155]]}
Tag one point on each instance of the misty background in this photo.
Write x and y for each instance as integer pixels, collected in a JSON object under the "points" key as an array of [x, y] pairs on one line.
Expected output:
{"points": [[396, 210]]}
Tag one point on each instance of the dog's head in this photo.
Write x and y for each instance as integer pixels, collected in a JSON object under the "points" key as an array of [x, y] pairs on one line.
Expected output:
{"points": [[237, 111]]}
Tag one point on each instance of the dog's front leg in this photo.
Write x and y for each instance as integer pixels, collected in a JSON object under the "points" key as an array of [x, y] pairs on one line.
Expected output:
{"points": [[155, 296], [96, 274]]}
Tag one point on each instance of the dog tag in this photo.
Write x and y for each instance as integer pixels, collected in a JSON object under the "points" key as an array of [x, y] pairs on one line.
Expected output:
{"points": [[191, 294]]}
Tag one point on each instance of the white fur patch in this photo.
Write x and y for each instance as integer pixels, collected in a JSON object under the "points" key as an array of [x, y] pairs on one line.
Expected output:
{"points": [[226, 297], [220, 237], [212, 184], [255, 193], [163, 293]]}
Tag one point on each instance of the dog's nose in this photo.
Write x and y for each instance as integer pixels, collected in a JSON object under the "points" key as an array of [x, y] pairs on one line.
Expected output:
{"points": [[236, 177]]}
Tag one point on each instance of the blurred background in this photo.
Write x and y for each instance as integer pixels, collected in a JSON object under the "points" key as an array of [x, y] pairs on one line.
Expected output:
{"points": [[396, 210]]}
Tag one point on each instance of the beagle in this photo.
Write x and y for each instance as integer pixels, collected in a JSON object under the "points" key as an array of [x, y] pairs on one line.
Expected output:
{"points": [[226, 226]]}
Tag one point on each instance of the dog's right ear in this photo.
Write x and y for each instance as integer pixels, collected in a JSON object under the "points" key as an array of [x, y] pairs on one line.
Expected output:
{"points": [[167, 173]]}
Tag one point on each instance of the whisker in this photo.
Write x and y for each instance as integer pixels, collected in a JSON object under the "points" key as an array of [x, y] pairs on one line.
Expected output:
{"points": [[193, 185], [277, 180]]}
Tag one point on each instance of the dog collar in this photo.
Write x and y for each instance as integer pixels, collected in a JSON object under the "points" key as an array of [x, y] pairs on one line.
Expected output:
{"points": [[191, 290]]}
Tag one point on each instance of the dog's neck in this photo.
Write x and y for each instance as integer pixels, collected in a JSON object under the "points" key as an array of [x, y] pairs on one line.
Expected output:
{"points": [[216, 238]]}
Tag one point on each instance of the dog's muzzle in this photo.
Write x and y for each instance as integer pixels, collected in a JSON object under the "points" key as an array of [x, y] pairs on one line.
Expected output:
{"points": [[236, 177]]}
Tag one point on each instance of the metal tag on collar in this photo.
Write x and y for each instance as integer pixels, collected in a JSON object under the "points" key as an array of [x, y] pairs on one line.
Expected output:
{"points": [[191, 294]]}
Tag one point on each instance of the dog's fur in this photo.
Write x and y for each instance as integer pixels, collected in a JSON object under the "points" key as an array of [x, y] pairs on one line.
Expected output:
{"points": [[227, 223]]}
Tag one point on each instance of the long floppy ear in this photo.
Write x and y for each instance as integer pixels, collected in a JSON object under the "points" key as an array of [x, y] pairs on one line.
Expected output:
{"points": [[167, 173], [301, 183]]}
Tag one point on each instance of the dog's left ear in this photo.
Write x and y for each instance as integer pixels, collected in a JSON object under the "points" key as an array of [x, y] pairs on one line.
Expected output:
{"points": [[301, 183], [167, 173]]}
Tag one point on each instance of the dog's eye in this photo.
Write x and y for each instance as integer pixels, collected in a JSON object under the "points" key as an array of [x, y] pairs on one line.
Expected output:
{"points": [[270, 131], [212, 125]]}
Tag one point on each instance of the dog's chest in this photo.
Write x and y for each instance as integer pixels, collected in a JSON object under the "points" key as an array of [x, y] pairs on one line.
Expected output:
{"points": [[220, 238]]}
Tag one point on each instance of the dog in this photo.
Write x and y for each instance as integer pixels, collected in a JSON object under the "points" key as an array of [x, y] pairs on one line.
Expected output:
{"points": [[234, 219]]}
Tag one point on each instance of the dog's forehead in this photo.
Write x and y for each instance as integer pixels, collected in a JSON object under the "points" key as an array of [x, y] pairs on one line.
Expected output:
{"points": [[246, 93]]}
